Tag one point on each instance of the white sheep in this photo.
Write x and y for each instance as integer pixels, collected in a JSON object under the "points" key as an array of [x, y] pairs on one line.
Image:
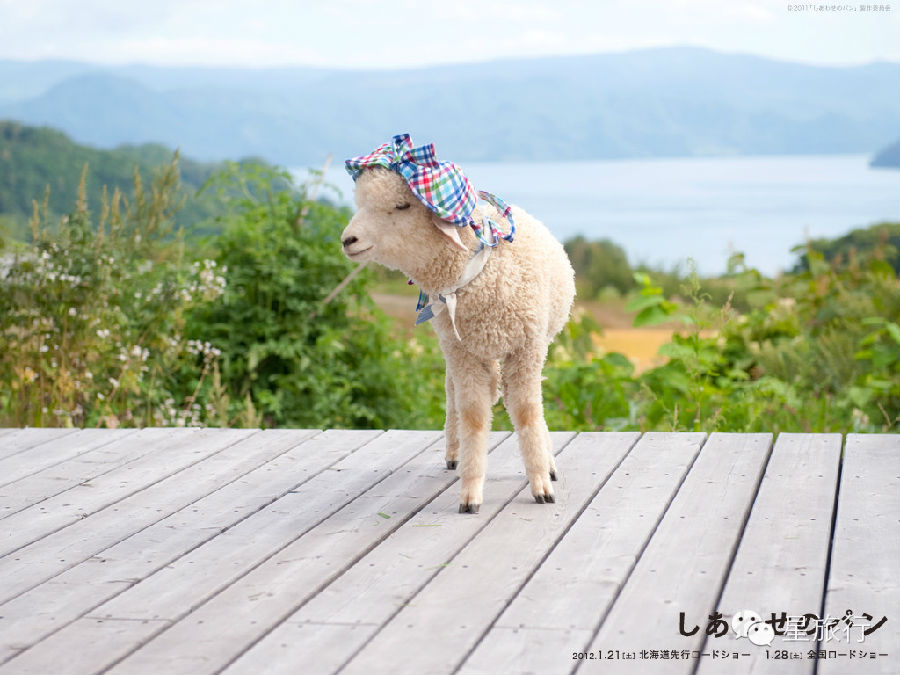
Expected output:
{"points": [[505, 317]]}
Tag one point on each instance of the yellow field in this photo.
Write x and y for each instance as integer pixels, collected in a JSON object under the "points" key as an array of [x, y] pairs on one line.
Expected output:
{"points": [[640, 345]]}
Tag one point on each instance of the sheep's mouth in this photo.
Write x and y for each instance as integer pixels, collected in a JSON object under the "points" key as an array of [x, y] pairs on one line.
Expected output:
{"points": [[355, 254]]}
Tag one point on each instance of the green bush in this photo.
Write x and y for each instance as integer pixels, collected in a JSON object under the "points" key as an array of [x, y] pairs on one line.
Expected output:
{"points": [[818, 351], [882, 239], [115, 319], [599, 265], [92, 315], [109, 321], [293, 360]]}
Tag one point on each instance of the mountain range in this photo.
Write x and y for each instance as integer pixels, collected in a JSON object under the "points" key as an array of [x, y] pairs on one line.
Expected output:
{"points": [[665, 102]]}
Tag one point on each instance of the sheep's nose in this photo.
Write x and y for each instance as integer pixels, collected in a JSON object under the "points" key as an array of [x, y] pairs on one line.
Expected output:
{"points": [[349, 240]]}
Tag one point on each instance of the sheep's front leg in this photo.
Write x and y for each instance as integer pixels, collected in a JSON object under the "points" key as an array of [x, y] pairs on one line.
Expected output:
{"points": [[472, 389], [524, 402], [451, 425]]}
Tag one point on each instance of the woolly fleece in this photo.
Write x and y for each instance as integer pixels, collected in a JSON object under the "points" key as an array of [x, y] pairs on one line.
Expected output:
{"points": [[506, 318]]}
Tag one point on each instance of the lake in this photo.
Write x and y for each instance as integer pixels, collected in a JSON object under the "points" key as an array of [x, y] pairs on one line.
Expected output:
{"points": [[663, 211]]}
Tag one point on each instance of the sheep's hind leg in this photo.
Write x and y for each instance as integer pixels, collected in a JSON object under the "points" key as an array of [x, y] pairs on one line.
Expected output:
{"points": [[523, 400], [549, 446], [472, 393], [451, 425]]}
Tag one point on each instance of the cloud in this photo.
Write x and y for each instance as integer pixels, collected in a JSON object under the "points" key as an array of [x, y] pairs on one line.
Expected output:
{"points": [[410, 33]]}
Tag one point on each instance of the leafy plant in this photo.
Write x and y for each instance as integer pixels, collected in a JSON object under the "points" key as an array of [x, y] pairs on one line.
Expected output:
{"points": [[113, 319], [297, 361], [92, 315]]}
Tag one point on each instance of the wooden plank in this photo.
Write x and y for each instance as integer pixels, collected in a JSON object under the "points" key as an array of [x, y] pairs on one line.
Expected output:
{"points": [[555, 613], [173, 451], [463, 599], [781, 559], [74, 658], [23, 439], [45, 608], [273, 590], [53, 454], [206, 570], [865, 557], [88, 536], [97, 451], [437, 531], [686, 561]]}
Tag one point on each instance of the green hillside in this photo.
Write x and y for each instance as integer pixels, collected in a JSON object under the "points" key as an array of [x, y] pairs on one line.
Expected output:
{"points": [[33, 159], [881, 240]]}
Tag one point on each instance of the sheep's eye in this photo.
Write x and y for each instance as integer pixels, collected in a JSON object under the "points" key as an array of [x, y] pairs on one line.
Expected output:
{"points": [[403, 206]]}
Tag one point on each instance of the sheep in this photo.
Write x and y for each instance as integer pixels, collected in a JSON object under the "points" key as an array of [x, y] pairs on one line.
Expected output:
{"points": [[505, 317]]}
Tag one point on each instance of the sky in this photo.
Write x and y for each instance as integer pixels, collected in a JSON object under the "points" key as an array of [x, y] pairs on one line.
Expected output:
{"points": [[364, 34]]}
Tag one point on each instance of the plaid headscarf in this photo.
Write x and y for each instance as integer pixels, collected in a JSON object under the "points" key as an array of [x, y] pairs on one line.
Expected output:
{"points": [[441, 186]]}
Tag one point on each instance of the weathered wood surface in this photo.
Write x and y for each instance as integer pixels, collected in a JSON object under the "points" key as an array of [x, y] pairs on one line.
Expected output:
{"points": [[244, 552], [865, 560]]}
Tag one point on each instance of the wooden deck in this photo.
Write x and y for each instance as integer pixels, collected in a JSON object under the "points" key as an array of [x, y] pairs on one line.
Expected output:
{"points": [[255, 552]]}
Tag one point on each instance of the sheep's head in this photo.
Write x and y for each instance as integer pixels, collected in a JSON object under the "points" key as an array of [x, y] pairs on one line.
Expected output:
{"points": [[392, 227]]}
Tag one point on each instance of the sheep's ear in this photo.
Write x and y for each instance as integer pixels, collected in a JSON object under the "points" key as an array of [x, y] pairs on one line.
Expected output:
{"points": [[449, 230]]}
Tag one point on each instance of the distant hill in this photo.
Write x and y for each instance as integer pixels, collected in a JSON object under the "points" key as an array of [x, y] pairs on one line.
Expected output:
{"points": [[646, 103], [888, 158], [31, 159]]}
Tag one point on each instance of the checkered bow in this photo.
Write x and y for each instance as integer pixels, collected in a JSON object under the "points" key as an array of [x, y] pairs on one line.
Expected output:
{"points": [[441, 186]]}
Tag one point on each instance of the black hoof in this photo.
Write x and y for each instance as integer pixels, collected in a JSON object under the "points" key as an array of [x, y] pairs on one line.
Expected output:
{"points": [[552, 475], [452, 463], [469, 508], [550, 499], [539, 499]]}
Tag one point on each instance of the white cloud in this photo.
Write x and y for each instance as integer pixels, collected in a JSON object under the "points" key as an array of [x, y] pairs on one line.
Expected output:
{"points": [[207, 51], [391, 33]]}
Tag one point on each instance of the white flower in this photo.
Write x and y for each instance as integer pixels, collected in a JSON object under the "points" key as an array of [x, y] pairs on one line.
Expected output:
{"points": [[45, 349], [103, 333], [73, 311]]}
